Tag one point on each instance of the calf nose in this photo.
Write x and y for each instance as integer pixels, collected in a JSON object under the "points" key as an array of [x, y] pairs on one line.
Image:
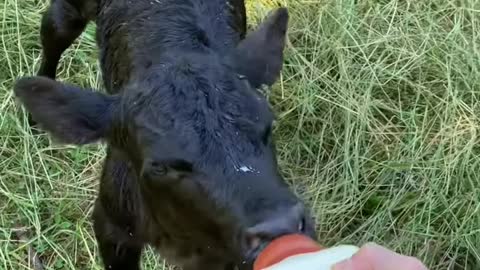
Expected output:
{"points": [[285, 221]]}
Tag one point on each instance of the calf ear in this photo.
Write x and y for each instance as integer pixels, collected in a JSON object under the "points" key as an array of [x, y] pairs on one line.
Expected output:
{"points": [[71, 114], [259, 56]]}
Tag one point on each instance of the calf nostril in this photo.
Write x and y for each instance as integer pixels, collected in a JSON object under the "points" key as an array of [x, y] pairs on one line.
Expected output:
{"points": [[301, 225], [254, 242]]}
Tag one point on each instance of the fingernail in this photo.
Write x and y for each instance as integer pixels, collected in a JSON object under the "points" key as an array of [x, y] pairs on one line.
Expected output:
{"points": [[344, 265]]}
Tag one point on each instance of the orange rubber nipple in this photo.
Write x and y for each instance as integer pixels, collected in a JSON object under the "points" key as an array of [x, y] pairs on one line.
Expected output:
{"points": [[284, 247]]}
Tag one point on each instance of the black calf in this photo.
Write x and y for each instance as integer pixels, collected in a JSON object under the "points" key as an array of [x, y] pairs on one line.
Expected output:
{"points": [[191, 165]]}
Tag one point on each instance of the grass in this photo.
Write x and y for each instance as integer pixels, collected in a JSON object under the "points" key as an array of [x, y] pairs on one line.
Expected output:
{"points": [[378, 129]]}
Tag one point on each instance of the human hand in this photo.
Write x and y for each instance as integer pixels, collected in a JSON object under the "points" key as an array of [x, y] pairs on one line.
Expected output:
{"points": [[374, 257]]}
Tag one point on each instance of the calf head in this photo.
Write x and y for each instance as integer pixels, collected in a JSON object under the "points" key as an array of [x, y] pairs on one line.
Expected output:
{"points": [[196, 131]]}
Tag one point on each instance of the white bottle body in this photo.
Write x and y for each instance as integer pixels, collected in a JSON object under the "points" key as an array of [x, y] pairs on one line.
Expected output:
{"points": [[324, 259]]}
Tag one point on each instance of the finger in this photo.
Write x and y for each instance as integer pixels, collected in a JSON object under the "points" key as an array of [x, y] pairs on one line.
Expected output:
{"points": [[353, 264], [384, 259], [374, 257]]}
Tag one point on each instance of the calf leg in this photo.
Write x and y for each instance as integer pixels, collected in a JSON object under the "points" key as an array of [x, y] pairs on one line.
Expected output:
{"points": [[116, 256], [240, 17], [117, 250], [63, 22]]}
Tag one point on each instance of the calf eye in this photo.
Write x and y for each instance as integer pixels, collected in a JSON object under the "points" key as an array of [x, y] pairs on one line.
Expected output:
{"points": [[153, 169], [163, 169]]}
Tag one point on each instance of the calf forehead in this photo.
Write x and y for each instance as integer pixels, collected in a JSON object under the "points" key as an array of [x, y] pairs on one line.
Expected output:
{"points": [[205, 111]]}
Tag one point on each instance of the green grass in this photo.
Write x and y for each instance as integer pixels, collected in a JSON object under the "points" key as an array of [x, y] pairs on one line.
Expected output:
{"points": [[378, 129]]}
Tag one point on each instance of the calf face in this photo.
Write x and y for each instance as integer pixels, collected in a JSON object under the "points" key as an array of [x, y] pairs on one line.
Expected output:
{"points": [[194, 135]]}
